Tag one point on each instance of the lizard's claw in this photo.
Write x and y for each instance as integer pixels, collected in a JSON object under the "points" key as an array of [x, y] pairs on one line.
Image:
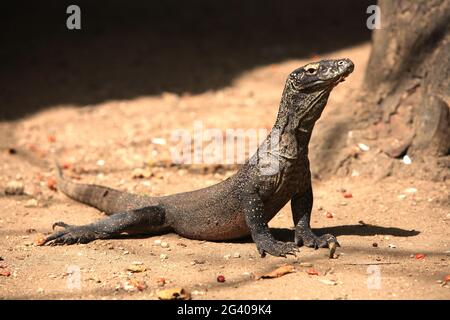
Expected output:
{"points": [[61, 224], [305, 237], [277, 248], [70, 235]]}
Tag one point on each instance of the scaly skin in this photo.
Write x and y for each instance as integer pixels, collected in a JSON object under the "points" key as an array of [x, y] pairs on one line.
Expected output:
{"points": [[240, 205]]}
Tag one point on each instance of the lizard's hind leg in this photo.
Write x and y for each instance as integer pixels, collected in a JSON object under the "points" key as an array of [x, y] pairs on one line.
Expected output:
{"points": [[144, 220]]}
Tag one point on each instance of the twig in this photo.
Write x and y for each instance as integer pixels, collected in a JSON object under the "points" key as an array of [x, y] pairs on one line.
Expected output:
{"points": [[369, 263]]}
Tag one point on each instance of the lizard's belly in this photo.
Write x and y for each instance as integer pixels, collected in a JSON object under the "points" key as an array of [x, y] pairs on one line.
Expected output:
{"points": [[213, 216], [226, 227]]}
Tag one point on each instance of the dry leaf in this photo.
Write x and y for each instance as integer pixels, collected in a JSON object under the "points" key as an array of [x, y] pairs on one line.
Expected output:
{"points": [[5, 273], [133, 285], [136, 268], [278, 272], [173, 294]]}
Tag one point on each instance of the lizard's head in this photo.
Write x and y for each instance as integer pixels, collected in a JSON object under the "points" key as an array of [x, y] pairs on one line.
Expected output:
{"points": [[320, 76], [308, 87]]}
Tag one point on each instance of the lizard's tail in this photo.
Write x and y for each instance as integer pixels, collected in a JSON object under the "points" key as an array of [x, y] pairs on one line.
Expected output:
{"points": [[103, 198]]}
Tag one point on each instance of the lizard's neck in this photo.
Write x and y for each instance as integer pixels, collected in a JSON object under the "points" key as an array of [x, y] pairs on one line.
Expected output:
{"points": [[295, 121]]}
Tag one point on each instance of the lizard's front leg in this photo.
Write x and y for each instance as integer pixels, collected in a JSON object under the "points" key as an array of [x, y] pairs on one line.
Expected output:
{"points": [[133, 221], [259, 229], [301, 205]]}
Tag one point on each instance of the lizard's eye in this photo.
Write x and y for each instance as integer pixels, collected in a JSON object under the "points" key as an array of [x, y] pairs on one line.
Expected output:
{"points": [[311, 71]]}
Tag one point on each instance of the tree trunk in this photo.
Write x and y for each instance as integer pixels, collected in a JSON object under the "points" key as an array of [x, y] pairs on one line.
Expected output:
{"points": [[403, 107], [407, 77]]}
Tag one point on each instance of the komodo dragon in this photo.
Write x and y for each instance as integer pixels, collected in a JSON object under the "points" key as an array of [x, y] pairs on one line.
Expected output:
{"points": [[244, 203]]}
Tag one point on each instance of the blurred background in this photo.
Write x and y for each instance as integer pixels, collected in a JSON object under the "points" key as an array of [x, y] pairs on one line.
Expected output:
{"points": [[127, 49]]}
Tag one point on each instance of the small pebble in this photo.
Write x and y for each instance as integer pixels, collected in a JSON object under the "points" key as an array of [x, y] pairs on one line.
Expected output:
{"points": [[363, 147], [305, 264], [164, 245], [348, 195], [375, 245], [220, 278], [406, 160], [198, 293], [159, 141], [236, 255], [161, 282], [51, 183], [163, 256], [328, 282], [32, 203]]}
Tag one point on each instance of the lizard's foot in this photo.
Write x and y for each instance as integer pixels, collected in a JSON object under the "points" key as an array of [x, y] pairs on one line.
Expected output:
{"points": [[305, 237], [276, 248], [70, 235]]}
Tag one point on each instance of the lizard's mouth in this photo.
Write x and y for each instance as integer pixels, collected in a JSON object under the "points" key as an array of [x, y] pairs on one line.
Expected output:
{"points": [[331, 83], [340, 79]]}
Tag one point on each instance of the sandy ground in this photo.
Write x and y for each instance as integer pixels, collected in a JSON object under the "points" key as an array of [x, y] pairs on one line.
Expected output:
{"points": [[383, 229]]}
